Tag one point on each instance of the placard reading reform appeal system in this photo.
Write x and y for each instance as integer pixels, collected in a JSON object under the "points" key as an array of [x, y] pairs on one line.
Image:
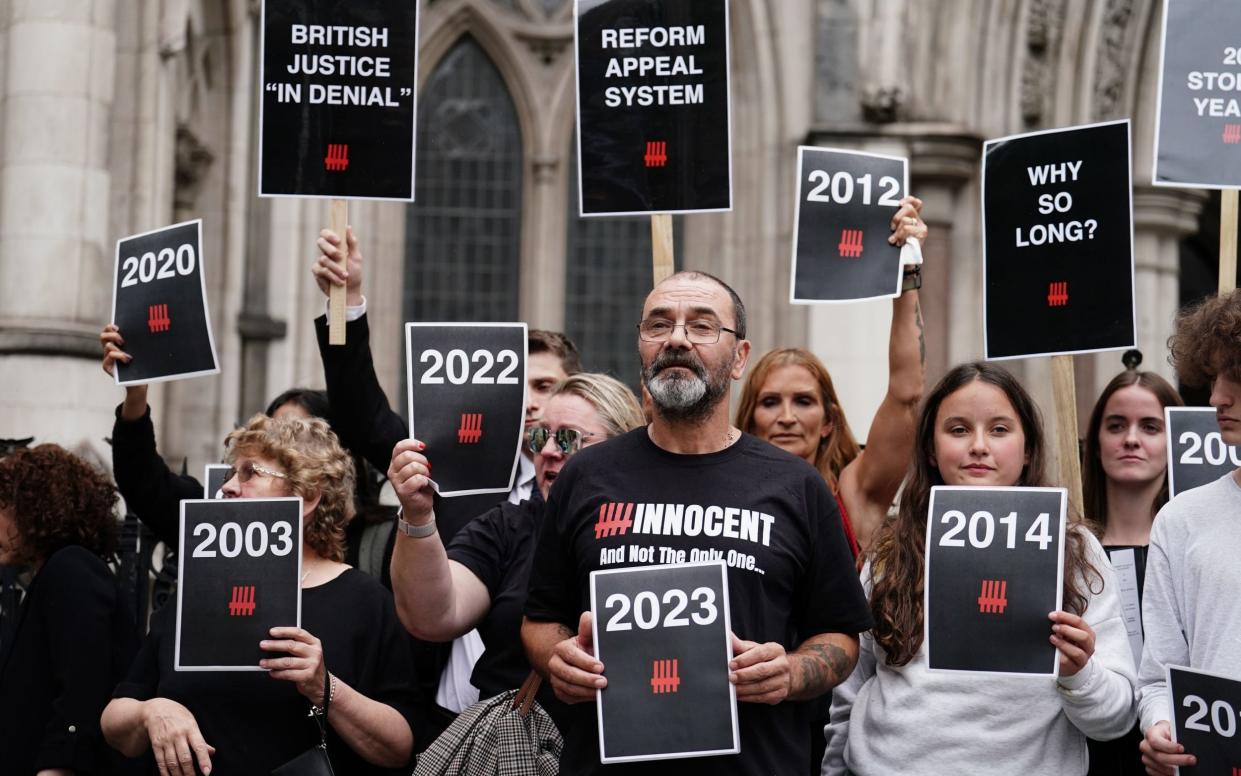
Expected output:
{"points": [[1197, 452], [994, 570], [338, 104], [654, 126], [1198, 124], [159, 303], [467, 399], [662, 633], [846, 200], [1058, 242], [239, 576]]}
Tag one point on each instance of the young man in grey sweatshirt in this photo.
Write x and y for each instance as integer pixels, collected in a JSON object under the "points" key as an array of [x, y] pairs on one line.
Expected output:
{"points": [[1191, 604]]}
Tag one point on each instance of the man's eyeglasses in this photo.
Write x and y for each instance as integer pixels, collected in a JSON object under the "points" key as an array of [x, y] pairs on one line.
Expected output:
{"points": [[700, 331], [248, 469], [568, 440]]}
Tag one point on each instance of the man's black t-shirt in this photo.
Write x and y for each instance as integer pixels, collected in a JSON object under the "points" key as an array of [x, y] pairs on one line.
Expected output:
{"points": [[256, 722], [766, 513]]}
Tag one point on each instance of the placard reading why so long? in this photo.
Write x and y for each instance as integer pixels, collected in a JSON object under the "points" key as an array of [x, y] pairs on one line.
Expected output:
{"points": [[159, 303], [1197, 452], [1058, 242], [654, 128], [845, 204], [994, 570], [467, 392], [338, 103], [1198, 129]]}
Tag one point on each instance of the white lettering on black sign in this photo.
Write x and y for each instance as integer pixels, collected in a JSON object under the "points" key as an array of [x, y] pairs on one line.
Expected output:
{"points": [[1205, 707], [994, 564], [1058, 242], [1197, 452], [239, 575], [159, 303], [653, 106], [467, 402], [338, 99], [846, 201], [662, 633], [1198, 124]]}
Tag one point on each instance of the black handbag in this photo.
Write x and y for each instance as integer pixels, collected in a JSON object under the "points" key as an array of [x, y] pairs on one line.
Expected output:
{"points": [[313, 761]]}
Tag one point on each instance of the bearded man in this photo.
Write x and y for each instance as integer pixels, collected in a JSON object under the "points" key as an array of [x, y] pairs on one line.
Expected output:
{"points": [[700, 484]]}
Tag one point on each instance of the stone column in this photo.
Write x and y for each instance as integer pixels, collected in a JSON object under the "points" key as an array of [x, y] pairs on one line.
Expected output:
{"points": [[1162, 217], [57, 264]]}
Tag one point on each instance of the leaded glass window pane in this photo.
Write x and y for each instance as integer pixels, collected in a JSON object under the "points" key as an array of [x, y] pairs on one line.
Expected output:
{"points": [[463, 234], [608, 276]]}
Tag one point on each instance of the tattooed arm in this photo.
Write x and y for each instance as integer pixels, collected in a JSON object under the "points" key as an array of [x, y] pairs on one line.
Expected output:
{"points": [[764, 673]]}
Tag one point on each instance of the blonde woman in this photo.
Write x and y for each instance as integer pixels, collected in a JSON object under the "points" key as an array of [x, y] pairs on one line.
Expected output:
{"points": [[480, 579], [253, 722]]}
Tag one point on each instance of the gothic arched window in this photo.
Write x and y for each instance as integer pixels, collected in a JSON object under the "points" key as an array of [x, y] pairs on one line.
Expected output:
{"points": [[463, 234], [607, 278]]}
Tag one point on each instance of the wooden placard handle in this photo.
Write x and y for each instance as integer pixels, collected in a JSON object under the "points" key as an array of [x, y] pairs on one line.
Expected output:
{"points": [[336, 295], [663, 252], [1227, 241], [1064, 390]]}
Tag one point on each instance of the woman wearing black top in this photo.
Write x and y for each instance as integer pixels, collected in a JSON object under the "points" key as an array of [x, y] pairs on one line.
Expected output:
{"points": [[480, 581], [250, 723], [1124, 484], [74, 638]]}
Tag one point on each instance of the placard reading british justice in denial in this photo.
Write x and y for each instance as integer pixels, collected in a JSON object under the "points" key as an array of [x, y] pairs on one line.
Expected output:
{"points": [[1198, 119], [1197, 453], [1206, 707], [662, 633], [240, 565], [653, 106], [467, 392], [159, 303], [338, 100], [994, 571], [1058, 242], [845, 204]]}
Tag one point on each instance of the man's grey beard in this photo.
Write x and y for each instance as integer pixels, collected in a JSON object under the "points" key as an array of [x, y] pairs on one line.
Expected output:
{"points": [[690, 398]]}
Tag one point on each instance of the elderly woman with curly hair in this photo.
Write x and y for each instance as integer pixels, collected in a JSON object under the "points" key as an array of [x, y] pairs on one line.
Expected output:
{"points": [[252, 722], [74, 636]]}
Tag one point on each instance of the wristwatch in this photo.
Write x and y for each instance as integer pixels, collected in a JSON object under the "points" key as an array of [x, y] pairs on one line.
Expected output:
{"points": [[912, 280], [414, 531]]}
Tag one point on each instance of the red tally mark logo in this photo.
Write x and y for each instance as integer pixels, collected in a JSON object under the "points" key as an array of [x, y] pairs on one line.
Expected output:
{"points": [[242, 602], [850, 244], [1058, 294], [1236, 772], [337, 159], [615, 519], [157, 318], [656, 154], [665, 677], [994, 596], [471, 431], [1232, 136]]}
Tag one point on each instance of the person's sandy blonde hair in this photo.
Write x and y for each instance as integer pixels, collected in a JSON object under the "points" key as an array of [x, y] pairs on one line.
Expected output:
{"points": [[307, 451], [616, 405]]}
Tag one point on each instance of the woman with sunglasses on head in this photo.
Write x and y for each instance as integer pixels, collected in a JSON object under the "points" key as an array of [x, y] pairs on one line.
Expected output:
{"points": [[979, 427], [480, 579], [350, 649], [788, 399], [1124, 483]]}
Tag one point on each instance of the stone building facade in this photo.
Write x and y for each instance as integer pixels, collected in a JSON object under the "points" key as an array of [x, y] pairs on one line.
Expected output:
{"points": [[119, 116]]}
